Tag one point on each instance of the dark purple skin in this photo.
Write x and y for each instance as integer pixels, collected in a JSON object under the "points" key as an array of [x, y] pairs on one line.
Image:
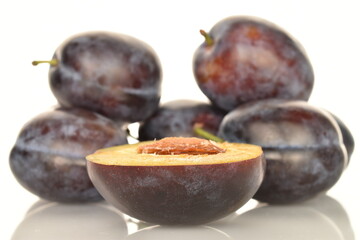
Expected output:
{"points": [[348, 138], [115, 75], [178, 195], [251, 59], [48, 158], [177, 119], [302, 144]]}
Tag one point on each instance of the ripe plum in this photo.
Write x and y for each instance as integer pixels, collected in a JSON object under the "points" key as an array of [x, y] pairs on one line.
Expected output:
{"points": [[303, 147], [115, 75], [246, 58], [48, 158], [178, 118]]}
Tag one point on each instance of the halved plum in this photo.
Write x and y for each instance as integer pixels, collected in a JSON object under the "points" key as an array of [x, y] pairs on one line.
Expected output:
{"points": [[192, 181]]}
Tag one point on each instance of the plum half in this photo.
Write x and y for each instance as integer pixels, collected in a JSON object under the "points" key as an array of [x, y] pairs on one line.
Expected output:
{"points": [[303, 146], [177, 181]]}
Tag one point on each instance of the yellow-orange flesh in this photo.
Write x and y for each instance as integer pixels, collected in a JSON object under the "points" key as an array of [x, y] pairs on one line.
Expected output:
{"points": [[176, 151]]}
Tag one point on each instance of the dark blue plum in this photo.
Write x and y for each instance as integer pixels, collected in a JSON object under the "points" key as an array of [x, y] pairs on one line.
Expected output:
{"points": [[178, 118], [348, 138], [48, 158], [115, 75], [303, 147], [245, 59]]}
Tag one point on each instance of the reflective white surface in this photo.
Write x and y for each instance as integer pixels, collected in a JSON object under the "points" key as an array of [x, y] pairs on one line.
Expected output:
{"points": [[320, 218], [46, 220], [31, 30]]}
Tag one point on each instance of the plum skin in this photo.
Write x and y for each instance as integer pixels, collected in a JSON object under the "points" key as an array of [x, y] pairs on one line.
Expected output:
{"points": [[115, 75], [48, 158], [348, 138], [302, 144], [177, 119], [251, 59], [178, 195]]}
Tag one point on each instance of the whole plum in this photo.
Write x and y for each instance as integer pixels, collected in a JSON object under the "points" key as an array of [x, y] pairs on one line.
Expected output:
{"points": [[177, 119], [48, 158], [113, 74], [246, 58], [303, 147]]}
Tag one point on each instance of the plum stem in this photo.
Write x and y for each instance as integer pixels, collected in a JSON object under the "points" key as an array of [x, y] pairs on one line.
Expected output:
{"points": [[128, 132], [199, 130], [52, 62], [208, 39]]}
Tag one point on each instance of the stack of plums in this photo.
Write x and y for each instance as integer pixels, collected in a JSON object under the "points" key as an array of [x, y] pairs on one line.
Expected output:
{"points": [[102, 81], [257, 79]]}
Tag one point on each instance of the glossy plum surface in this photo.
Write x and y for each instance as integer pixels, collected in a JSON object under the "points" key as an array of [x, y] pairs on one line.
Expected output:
{"points": [[113, 74], [178, 118], [303, 147], [246, 58], [48, 157], [348, 138]]}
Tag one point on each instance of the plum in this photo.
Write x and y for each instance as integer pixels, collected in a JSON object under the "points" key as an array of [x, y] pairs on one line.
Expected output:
{"points": [[246, 58], [303, 147], [48, 158], [195, 182], [113, 74], [178, 118]]}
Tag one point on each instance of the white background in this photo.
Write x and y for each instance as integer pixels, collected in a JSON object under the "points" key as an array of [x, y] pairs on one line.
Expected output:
{"points": [[31, 30]]}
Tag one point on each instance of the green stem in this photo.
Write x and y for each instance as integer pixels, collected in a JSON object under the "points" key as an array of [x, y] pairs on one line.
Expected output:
{"points": [[208, 39], [130, 135], [205, 134], [52, 62]]}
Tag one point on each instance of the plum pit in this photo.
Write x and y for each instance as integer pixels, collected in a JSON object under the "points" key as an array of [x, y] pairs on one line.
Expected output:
{"points": [[180, 145]]}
